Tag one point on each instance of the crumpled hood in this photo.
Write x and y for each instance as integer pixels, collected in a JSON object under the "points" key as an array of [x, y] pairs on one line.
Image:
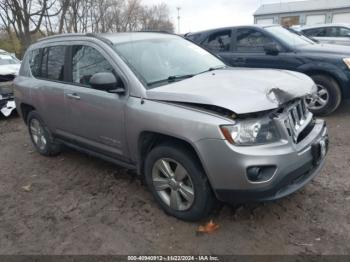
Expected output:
{"points": [[240, 90], [9, 69]]}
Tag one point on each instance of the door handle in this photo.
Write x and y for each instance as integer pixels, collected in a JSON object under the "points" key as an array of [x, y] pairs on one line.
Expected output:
{"points": [[73, 96]]}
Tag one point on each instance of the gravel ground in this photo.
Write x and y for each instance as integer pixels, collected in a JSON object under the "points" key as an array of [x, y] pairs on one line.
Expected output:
{"points": [[76, 204]]}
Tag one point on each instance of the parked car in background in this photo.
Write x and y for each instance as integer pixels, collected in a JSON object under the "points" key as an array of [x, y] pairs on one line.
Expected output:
{"points": [[195, 129], [338, 34], [276, 47], [9, 67]]}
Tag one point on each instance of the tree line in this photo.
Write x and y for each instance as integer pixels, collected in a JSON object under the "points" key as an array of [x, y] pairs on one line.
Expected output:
{"points": [[24, 21]]}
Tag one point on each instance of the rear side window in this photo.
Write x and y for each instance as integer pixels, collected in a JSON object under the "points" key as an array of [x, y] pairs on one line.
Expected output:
{"points": [[219, 41], [55, 63], [250, 40], [338, 32], [194, 37], [52, 63], [86, 62], [34, 62]]}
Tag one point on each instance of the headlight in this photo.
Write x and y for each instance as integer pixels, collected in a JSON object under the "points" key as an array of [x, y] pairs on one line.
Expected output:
{"points": [[251, 132], [347, 62]]}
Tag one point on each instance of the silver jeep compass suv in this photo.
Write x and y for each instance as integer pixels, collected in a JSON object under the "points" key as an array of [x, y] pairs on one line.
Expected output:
{"points": [[196, 130]]}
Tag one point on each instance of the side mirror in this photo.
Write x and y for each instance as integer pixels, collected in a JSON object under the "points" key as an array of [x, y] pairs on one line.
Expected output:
{"points": [[271, 49], [106, 81]]}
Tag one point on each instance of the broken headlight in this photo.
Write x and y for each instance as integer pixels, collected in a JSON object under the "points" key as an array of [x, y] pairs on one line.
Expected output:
{"points": [[251, 132]]}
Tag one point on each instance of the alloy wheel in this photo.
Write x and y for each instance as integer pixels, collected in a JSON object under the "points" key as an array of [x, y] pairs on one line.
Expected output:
{"points": [[37, 133], [173, 184], [318, 100]]}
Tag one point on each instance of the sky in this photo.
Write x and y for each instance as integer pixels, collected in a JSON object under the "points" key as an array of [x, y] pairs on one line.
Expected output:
{"points": [[199, 15]]}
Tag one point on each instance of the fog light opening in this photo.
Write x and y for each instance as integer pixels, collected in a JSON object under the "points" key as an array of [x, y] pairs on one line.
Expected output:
{"points": [[260, 173]]}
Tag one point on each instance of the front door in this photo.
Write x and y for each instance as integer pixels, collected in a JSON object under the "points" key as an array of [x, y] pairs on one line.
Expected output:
{"points": [[248, 51], [96, 116]]}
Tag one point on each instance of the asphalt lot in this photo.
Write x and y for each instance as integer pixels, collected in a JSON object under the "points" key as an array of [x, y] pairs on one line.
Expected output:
{"points": [[76, 204]]}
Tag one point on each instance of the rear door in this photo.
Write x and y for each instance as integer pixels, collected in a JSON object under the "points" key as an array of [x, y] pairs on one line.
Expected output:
{"points": [[48, 67], [220, 43], [96, 116]]}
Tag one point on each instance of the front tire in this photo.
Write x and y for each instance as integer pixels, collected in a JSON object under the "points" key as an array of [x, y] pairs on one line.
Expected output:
{"points": [[328, 96], [41, 137], [178, 183]]}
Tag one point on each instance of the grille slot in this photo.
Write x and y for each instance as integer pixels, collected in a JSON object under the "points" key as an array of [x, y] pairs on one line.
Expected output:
{"points": [[298, 118]]}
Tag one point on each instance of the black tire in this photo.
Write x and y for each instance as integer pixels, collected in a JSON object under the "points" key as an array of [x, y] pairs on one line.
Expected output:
{"points": [[334, 94], [52, 147], [204, 199]]}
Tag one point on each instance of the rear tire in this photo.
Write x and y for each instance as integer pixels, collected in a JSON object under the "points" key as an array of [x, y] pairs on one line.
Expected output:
{"points": [[194, 199], [328, 93], [41, 137]]}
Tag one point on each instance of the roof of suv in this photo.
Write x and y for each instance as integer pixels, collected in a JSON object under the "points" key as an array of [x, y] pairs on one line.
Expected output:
{"points": [[323, 25], [113, 37], [230, 27]]}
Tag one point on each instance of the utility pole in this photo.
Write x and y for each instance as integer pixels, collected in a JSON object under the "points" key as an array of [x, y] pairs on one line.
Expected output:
{"points": [[178, 19]]}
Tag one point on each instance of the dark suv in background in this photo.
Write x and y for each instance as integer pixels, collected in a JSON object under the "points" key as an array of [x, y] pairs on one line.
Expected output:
{"points": [[276, 47]]}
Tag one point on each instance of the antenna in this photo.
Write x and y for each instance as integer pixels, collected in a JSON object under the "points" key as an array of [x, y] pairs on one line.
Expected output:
{"points": [[178, 19]]}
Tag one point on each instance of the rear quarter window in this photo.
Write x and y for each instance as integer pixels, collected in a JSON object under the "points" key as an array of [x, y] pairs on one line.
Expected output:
{"points": [[34, 62]]}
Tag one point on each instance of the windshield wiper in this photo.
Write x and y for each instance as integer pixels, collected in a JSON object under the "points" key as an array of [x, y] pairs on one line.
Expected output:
{"points": [[172, 79], [213, 69], [181, 77]]}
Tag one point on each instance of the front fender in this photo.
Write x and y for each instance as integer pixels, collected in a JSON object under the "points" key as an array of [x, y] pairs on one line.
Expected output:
{"points": [[339, 74]]}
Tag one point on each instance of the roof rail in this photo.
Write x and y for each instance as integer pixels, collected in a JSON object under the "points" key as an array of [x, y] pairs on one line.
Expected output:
{"points": [[75, 34], [153, 31]]}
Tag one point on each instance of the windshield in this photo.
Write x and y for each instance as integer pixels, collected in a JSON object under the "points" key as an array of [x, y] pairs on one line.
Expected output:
{"points": [[161, 60], [288, 37], [7, 60]]}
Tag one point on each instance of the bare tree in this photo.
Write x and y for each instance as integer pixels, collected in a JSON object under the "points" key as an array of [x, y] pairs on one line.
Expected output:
{"points": [[26, 17], [30, 18], [156, 18]]}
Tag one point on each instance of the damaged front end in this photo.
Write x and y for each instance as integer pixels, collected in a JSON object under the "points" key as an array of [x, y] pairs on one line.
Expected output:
{"points": [[7, 103]]}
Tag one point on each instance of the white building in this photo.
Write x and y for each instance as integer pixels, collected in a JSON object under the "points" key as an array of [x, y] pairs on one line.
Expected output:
{"points": [[304, 12]]}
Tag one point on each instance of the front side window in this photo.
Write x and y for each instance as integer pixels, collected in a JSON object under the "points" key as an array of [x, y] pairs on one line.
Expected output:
{"points": [[333, 31], [344, 32], [87, 61], [219, 41], [162, 58], [287, 37], [250, 40]]}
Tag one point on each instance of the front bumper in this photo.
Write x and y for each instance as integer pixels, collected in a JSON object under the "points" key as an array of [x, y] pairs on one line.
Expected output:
{"points": [[295, 164], [7, 102]]}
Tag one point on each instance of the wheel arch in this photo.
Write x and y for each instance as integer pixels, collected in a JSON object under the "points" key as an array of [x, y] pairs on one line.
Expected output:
{"points": [[25, 110], [148, 140], [310, 72]]}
